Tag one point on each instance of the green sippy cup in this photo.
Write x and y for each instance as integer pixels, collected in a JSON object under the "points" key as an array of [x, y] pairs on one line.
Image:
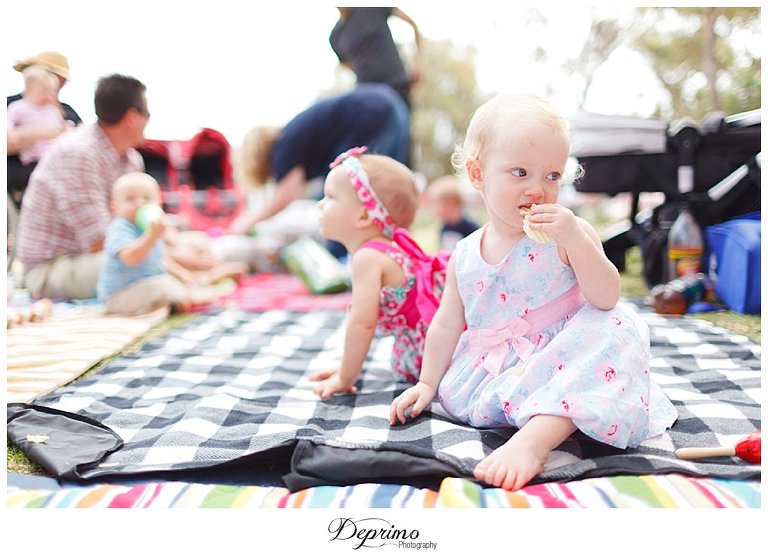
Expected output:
{"points": [[148, 214]]}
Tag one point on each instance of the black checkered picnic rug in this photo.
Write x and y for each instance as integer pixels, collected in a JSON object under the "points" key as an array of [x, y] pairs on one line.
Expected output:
{"points": [[233, 384]]}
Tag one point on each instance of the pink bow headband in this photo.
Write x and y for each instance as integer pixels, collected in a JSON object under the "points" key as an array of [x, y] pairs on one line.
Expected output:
{"points": [[350, 160]]}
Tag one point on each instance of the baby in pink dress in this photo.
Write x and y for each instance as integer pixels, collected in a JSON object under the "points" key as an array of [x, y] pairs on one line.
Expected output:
{"points": [[37, 109], [369, 201]]}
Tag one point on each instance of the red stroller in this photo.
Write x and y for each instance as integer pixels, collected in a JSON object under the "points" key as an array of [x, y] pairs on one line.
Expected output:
{"points": [[195, 178]]}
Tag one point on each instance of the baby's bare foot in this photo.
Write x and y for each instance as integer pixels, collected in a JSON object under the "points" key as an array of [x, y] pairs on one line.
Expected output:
{"points": [[512, 465]]}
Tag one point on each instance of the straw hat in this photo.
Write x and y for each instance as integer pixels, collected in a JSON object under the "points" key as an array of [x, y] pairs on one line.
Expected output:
{"points": [[55, 62]]}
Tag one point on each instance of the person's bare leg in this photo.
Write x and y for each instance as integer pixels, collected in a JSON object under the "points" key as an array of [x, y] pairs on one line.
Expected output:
{"points": [[230, 269], [197, 297], [517, 461]]}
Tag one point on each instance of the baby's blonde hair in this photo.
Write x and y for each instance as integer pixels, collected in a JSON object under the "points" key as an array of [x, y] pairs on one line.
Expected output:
{"points": [[395, 186], [503, 110], [252, 166], [39, 75], [134, 179]]}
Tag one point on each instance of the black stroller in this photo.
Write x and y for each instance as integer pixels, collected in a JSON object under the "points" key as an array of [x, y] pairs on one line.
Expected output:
{"points": [[714, 167]]}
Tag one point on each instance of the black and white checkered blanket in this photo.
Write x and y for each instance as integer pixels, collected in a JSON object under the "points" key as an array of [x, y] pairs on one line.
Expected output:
{"points": [[233, 384]]}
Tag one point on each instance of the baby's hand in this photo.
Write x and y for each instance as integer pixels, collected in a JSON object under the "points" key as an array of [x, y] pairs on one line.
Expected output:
{"points": [[331, 383], [157, 228], [419, 396], [554, 220]]}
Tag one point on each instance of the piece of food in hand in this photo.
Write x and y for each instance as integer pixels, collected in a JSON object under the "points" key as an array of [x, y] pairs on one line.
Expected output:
{"points": [[535, 235]]}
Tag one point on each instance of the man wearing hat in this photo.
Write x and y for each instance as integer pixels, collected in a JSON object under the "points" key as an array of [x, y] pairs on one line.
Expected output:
{"points": [[22, 138], [66, 207]]}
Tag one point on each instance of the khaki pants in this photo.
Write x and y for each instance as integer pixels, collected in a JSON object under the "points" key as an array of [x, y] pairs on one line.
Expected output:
{"points": [[67, 276], [148, 294]]}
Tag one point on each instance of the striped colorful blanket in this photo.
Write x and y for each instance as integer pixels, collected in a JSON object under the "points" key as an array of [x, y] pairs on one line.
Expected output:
{"points": [[646, 491]]}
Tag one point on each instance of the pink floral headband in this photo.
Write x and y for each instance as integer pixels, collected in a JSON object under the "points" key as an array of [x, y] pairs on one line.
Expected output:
{"points": [[350, 160]]}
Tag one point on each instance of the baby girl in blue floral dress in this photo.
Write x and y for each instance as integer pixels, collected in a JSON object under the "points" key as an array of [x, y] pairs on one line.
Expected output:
{"points": [[530, 332]]}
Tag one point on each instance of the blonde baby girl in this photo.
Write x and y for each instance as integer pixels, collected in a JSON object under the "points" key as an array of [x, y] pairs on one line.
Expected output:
{"points": [[530, 332]]}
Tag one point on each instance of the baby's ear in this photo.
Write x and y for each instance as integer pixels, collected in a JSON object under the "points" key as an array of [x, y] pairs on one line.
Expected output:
{"points": [[474, 173], [363, 218]]}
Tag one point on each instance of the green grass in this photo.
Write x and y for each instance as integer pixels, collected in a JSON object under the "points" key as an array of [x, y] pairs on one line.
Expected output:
{"points": [[17, 461], [632, 282], [633, 287]]}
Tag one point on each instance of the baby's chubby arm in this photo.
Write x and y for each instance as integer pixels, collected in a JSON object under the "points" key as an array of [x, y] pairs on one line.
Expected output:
{"points": [[366, 271], [580, 247], [442, 336], [598, 278], [137, 252]]}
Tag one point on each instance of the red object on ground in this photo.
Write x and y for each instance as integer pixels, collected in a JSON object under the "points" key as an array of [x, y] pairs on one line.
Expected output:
{"points": [[749, 448]]}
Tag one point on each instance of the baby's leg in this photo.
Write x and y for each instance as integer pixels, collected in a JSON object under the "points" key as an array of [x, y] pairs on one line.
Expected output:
{"points": [[144, 295], [517, 461], [197, 297], [230, 269]]}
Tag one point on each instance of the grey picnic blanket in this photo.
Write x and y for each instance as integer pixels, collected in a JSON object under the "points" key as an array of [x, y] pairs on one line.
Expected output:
{"points": [[233, 384]]}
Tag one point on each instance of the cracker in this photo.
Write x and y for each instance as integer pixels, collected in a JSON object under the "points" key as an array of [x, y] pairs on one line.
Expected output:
{"points": [[535, 235]]}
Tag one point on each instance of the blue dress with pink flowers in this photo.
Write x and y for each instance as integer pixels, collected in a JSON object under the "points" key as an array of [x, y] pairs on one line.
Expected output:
{"points": [[533, 346]]}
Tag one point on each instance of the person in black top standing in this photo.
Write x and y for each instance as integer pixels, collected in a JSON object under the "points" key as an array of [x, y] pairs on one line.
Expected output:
{"points": [[363, 42]]}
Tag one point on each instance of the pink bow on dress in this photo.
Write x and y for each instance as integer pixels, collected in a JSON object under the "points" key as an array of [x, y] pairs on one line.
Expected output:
{"points": [[425, 267], [496, 343]]}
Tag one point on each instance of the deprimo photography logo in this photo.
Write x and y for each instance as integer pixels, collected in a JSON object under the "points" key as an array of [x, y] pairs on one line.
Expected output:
{"points": [[376, 532]]}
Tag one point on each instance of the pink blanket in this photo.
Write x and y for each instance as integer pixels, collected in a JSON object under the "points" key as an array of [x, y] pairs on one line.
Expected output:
{"points": [[267, 291]]}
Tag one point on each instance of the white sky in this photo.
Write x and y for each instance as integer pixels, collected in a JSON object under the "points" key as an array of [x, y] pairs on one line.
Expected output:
{"points": [[234, 64]]}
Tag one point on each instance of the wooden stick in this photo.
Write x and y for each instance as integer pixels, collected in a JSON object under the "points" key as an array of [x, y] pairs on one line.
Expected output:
{"points": [[696, 453]]}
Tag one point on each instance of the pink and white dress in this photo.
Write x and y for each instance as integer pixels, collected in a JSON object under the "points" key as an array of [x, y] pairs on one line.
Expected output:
{"points": [[406, 310], [533, 345]]}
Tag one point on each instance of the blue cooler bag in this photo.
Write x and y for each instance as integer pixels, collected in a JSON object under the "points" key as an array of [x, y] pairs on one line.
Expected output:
{"points": [[734, 257]]}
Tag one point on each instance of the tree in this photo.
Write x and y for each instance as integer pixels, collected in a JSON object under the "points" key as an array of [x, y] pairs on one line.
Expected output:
{"points": [[603, 38], [443, 103], [697, 56]]}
